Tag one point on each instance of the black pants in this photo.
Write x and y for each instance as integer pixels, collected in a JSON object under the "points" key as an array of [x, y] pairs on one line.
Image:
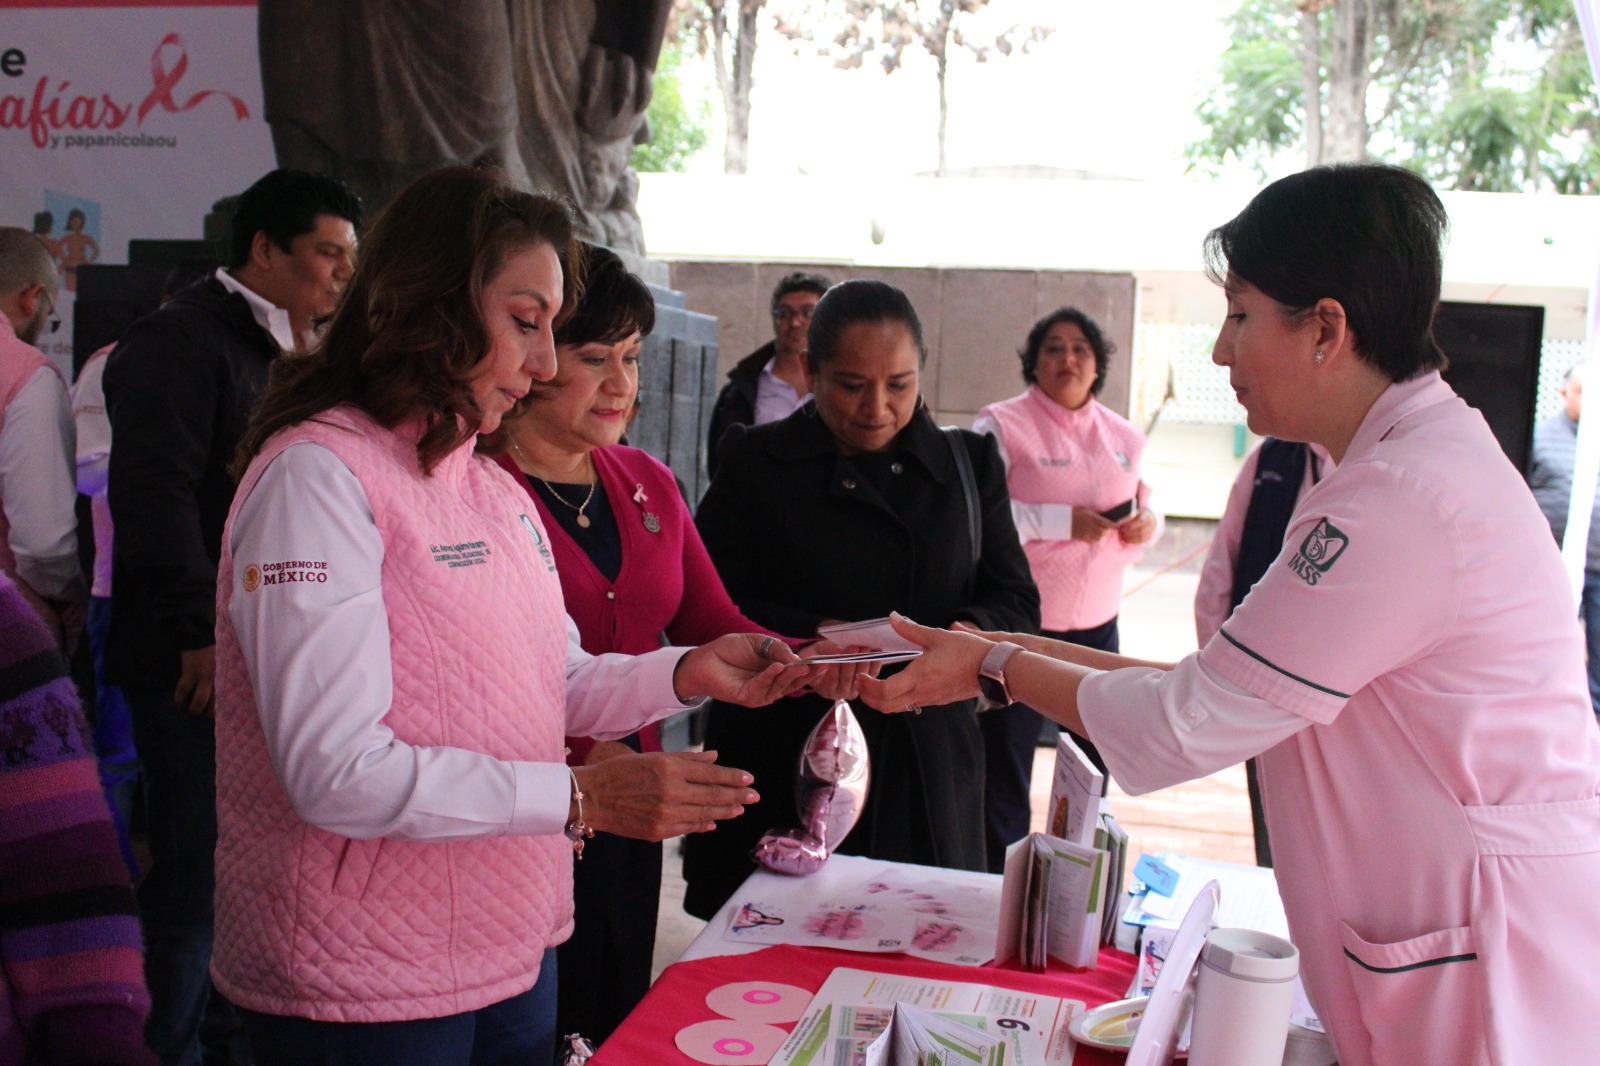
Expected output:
{"points": [[605, 965], [1010, 735]]}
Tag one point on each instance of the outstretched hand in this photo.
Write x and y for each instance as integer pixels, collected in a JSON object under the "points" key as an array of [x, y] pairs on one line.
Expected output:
{"points": [[945, 672], [658, 794], [838, 681], [744, 668]]}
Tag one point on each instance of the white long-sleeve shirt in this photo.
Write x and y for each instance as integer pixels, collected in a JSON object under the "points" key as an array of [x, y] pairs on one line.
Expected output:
{"points": [[319, 662], [38, 486]]}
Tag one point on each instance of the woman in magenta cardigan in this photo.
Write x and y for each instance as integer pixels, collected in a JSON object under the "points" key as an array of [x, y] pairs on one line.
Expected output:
{"points": [[632, 567]]}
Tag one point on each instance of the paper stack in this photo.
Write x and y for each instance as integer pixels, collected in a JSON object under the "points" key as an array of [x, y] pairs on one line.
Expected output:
{"points": [[918, 1037]]}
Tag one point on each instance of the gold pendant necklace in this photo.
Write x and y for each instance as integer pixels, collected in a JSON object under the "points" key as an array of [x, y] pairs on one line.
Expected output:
{"points": [[583, 519]]}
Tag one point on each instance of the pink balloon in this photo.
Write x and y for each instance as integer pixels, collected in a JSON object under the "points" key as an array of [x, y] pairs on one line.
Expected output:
{"points": [[830, 789]]}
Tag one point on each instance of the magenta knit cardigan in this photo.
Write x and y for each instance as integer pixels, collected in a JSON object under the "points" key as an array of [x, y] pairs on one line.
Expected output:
{"points": [[667, 584]]}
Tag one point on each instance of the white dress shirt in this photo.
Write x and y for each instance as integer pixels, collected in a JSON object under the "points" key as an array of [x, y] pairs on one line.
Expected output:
{"points": [[38, 486], [273, 319]]}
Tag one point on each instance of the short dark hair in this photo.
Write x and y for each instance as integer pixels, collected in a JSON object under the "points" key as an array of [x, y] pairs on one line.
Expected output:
{"points": [[409, 331], [1365, 234], [851, 302], [283, 204], [186, 272], [613, 302], [799, 281], [1103, 349]]}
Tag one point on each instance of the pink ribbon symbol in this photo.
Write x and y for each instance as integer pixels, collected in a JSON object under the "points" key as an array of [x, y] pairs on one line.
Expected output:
{"points": [[165, 81]]}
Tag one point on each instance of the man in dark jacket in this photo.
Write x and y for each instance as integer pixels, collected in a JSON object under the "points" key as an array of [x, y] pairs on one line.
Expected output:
{"points": [[770, 382], [180, 388], [1555, 451]]}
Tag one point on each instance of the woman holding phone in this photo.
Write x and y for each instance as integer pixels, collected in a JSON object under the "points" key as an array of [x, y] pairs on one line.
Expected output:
{"points": [[1082, 512]]}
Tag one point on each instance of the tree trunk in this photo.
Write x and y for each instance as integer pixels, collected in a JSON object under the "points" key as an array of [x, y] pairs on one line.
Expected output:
{"points": [[1311, 83], [736, 87], [1345, 138], [942, 61], [943, 112]]}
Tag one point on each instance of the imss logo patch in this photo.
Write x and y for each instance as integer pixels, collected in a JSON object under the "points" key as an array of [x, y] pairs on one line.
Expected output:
{"points": [[1319, 551]]}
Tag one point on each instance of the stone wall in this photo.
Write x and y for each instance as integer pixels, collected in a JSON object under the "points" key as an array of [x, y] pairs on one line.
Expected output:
{"points": [[973, 320]]}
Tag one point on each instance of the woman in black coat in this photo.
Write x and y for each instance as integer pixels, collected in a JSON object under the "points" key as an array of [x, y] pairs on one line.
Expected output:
{"points": [[851, 507]]}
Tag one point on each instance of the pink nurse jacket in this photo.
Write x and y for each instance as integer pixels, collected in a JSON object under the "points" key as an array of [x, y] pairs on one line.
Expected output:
{"points": [[1436, 827]]}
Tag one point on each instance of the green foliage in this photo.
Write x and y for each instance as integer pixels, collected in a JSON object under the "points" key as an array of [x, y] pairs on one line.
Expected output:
{"points": [[1491, 95], [1254, 110], [677, 122]]}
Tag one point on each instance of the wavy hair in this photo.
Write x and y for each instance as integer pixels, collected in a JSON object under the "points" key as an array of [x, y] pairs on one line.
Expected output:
{"points": [[409, 329]]}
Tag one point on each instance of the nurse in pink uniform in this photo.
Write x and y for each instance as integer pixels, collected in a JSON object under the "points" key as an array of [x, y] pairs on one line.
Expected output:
{"points": [[1407, 670]]}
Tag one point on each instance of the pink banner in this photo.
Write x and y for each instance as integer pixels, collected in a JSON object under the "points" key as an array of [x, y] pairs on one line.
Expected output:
{"points": [[122, 121]]}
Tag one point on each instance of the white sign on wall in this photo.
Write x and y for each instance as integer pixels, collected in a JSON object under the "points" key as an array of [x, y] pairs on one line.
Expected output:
{"points": [[124, 120]]}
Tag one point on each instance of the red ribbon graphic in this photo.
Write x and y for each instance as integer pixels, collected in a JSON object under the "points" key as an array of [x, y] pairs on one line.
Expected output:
{"points": [[165, 81]]}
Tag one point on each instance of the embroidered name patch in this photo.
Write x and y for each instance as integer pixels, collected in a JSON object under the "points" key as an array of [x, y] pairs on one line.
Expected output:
{"points": [[467, 553], [288, 572], [1319, 551]]}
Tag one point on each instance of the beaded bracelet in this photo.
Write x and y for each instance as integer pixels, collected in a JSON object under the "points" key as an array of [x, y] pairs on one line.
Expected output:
{"points": [[576, 831]]}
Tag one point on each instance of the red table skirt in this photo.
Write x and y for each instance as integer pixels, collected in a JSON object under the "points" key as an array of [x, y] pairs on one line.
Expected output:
{"points": [[678, 998]]}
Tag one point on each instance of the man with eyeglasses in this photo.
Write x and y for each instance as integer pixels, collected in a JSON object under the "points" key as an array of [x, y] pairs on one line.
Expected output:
{"points": [[770, 382], [38, 527]]}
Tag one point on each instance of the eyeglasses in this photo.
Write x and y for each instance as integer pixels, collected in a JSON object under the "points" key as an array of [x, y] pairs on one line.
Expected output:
{"points": [[784, 315], [55, 319]]}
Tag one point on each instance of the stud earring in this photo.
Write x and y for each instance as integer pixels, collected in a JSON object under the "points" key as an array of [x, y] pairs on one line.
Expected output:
{"points": [[1318, 357]]}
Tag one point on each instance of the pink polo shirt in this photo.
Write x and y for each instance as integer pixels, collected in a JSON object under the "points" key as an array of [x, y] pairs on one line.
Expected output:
{"points": [[1434, 817]]}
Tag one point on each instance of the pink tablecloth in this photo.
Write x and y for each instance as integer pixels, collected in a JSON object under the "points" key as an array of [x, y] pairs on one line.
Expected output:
{"points": [[678, 997]]}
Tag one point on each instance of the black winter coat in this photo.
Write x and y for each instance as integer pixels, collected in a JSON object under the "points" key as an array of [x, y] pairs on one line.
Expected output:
{"points": [[736, 403], [180, 389], [800, 534]]}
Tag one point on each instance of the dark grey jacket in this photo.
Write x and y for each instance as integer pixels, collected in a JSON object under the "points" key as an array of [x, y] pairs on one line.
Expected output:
{"points": [[180, 389], [1555, 450]]}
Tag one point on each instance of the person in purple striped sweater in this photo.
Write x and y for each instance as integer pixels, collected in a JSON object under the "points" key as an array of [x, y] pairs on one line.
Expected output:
{"points": [[71, 961]]}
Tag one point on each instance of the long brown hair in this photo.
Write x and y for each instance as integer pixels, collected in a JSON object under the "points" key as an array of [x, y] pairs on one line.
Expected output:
{"points": [[409, 328]]}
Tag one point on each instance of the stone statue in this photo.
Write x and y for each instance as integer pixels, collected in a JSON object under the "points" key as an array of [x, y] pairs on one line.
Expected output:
{"points": [[554, 92]]}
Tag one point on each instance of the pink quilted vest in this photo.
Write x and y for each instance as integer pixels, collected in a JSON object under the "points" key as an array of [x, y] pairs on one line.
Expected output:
{"points": [[19, 361], [1084, 458], [321, 926]]}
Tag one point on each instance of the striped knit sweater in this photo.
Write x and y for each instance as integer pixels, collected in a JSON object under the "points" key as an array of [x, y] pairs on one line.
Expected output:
{"points": [[71, 968]]}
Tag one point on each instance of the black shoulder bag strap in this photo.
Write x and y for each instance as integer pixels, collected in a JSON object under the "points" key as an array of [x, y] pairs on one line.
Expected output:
{"points": [[1280, 471], [969, 490]]}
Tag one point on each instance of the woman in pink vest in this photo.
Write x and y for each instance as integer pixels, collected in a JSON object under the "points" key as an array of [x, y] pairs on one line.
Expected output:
{"points": [[395, 671], [1409, 670], [633, 570], [1082, 513]]}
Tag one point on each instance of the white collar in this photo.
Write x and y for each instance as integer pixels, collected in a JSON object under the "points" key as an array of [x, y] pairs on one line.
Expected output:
{"points": [[273, 319]]}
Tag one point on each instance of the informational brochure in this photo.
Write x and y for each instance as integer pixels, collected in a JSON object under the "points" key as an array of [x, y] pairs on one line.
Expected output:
{"points": [[874, 634], [1075, 790], [918, 1037], [853, 1008], [1051, 902], [945, 921]]}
